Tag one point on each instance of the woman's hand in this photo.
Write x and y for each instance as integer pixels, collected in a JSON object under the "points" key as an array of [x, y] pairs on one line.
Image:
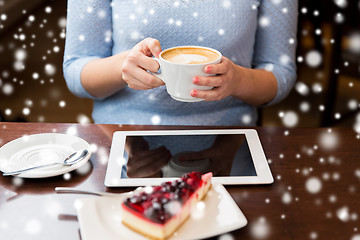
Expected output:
{"points": [[138, 61], [253, 86], [225, 82]]}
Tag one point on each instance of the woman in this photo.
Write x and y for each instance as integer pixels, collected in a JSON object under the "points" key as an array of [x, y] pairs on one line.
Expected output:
{"points": [[110, 47]]}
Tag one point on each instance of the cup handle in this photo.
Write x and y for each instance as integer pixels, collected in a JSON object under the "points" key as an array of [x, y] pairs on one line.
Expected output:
{"points": [[158, 73]]}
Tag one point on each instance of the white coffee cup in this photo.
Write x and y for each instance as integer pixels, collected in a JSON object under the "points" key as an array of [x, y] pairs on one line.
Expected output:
{"points": [[185, 63]]}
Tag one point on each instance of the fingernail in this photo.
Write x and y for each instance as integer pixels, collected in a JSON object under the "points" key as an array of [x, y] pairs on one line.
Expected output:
{"points": [[208, 69], [193, 93], [195, 80]]}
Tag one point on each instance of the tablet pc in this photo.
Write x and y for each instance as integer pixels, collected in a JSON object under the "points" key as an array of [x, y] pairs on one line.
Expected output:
{"points": [[138, 158]]}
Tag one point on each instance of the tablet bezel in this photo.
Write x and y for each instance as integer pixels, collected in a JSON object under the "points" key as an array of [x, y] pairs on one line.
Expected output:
{"points": [[116, 160]]}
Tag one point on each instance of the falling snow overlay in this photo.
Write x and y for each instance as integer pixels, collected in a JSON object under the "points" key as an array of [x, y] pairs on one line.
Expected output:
{"points": [[32, 88]]}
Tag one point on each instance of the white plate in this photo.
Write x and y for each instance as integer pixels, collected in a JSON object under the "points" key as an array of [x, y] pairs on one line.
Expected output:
{"points": [[38, 149], [100, 218]]}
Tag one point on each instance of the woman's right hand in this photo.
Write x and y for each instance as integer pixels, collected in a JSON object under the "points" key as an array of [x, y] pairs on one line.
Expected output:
{"points": [[138, 61]]}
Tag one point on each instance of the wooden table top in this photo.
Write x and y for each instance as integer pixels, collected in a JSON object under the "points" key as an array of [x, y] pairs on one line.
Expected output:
{"points": [[315, 195]]}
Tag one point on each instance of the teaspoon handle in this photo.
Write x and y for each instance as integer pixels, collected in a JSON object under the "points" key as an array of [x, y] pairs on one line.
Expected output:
{"points": [[28, 169], [78, 191]]}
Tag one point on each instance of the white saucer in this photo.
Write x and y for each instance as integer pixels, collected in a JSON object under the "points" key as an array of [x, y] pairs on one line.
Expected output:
{"points": [[38, 149], [100, 218]]}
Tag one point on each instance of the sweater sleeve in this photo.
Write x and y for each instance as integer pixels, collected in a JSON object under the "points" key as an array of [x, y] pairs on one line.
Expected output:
{"points": [[276, 43], [88, 37]]}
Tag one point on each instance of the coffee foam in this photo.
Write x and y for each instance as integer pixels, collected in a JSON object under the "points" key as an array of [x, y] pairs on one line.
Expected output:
{"points": [[189, 58], [185, 55]]}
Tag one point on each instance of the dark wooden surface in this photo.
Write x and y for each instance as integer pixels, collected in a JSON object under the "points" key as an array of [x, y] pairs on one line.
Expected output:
{"points": [[288, 209]]}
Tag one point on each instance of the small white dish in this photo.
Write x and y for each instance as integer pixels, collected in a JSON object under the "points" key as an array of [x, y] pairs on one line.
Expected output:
{"points": [[39, 149], [100, 218]]}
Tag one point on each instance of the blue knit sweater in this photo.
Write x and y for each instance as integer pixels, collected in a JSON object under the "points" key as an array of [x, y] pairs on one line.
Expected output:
{"points": [[252, 33]]}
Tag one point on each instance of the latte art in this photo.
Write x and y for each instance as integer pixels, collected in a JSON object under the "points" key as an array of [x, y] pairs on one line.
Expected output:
{"points": [[188, 55], [189, 59]]}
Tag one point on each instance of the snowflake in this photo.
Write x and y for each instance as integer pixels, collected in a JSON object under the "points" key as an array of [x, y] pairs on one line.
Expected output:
{"points": [[50, 69], [155, 119], [286, 198], [260, 229], [302, 88], [101, 14], [313, 58], [8, 89], [8, 111], [317, 88], [26, 111], [313, 235], [48, 9], [3, 17], [328, 140], [264, 21], [151, 11], [62, 103], [226, 236], [354, 42], [341, 3], [82, 118], [290, 119], [62, 22], [226, 4], [246, 119], [313, 185], [304, 106], [81, 38], [343, 214], [339, 18], [284, 59]]}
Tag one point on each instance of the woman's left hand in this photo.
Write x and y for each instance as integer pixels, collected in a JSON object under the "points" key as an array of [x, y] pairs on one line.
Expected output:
{"points": [[225, 82]]}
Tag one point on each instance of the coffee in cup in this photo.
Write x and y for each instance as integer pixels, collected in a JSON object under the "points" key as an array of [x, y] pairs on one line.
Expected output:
{"points": [[179, 65], [188, 55]]}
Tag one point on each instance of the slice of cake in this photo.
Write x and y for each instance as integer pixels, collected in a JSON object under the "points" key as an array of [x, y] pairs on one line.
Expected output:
{"points": [[158, 211]]}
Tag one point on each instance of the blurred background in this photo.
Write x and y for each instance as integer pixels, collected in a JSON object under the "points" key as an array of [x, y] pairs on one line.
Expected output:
{"points": [[327, 92]]}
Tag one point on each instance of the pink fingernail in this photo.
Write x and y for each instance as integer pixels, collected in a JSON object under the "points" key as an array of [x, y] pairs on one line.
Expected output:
{"points": [[195, 80], [208, 69], [193, 93]]}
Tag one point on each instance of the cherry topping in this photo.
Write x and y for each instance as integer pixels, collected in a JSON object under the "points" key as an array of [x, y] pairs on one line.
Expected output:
{"points": [[152, 205]]}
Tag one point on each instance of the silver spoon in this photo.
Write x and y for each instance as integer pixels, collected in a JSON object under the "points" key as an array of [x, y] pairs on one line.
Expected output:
{"points": [[70, 160], [79, 191], [104, 194]]}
